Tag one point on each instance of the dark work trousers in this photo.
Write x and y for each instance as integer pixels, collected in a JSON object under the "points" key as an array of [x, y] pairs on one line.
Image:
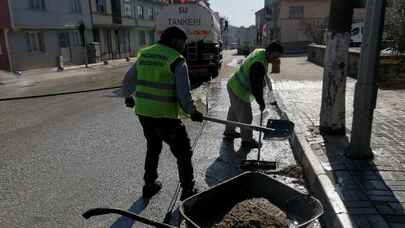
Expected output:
{"points": [[173, 132]]}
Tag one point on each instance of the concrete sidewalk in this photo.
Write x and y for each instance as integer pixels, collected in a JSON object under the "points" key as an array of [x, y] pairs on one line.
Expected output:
{"points": [[364, 194], [49, 81]]}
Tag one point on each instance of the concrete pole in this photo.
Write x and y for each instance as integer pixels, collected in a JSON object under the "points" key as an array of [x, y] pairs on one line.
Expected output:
{"points": [[366, 88], [332, 116]]}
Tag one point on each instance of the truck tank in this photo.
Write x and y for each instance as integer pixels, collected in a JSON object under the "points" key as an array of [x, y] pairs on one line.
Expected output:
{"points": [[204, 47]]}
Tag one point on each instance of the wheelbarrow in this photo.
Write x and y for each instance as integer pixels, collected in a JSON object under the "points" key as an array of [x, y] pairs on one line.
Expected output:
{"points": [[209, 207]]}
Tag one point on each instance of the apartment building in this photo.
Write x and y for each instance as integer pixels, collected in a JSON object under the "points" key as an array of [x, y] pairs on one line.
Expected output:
{"points": [[146, 15], [44, 30], [291, 17], [261, 26], [122, 27], [112, 22], [5, 25], [267, 22]]}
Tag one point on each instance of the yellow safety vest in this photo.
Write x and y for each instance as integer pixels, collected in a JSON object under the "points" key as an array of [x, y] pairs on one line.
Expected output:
{"points": [[239, 82], [156, 86]]}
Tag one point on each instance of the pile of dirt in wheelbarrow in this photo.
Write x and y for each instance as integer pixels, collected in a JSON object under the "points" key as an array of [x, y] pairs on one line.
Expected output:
{"points": [[254, 213]]}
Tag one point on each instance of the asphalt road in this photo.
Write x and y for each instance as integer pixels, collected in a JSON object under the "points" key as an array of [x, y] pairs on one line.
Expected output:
{"points": [[62, 155], [65, 154]]}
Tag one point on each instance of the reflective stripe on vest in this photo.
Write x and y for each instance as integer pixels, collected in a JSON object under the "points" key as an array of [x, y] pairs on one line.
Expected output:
{"points": [[157, 98], [156, 86], [240, 82]]}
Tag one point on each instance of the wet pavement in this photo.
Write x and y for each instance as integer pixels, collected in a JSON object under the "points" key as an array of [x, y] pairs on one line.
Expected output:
{"points": [[65, 154], [217, 160], [359, 193], [62, 155]]}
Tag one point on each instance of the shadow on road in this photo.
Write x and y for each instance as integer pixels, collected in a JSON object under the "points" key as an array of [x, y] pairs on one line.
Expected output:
{"points": [[226, 165], [137, 207]]}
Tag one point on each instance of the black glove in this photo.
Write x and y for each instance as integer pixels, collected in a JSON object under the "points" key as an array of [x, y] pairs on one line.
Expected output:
{"points": [[129, 102], [196, 116], [262, 106]]}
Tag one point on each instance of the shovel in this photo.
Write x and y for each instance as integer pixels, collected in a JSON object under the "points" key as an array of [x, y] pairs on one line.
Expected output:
{"points": [[274, 128], [254, 165], [268, 132]]}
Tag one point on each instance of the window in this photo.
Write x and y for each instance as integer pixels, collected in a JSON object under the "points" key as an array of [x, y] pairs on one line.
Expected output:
{"points": [[35, 42], [64, 41], [76, 6], [142, 38], [127, 8], [76, 39], [139, 10], [155, 12], [296, 12], [37, 4], [101, 6], [150, 13]]}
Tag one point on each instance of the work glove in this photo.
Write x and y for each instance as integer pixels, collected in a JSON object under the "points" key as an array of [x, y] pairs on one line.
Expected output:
{"points": [[196, 116], [129, 102], [262, 106]]}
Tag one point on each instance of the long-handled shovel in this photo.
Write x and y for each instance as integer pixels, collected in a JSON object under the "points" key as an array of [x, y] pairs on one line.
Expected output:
{"points": [[258, 164], [267, 131], [274, 129]]}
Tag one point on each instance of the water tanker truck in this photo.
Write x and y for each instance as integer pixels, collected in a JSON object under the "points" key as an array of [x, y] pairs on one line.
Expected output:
{"points": [[204, 47]]}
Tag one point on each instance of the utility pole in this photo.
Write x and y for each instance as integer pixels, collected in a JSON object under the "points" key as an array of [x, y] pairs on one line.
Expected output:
{"points": [[366, 88], [332, 116]]}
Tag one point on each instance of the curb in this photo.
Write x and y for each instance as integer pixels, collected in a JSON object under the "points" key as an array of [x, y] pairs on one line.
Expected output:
{"points": [[317, 180], [110, 80], [58, 94]]}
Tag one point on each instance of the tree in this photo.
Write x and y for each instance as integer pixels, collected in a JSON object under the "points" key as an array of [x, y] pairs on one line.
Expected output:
{"points": [[333, 110]]}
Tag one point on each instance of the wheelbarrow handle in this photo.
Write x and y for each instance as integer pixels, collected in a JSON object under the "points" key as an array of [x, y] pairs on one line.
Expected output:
{"points": [[103, 211], [238, 124]]}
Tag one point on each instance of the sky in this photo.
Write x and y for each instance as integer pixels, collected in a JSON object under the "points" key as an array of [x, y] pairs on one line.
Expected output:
{"points": [[239, 12]]}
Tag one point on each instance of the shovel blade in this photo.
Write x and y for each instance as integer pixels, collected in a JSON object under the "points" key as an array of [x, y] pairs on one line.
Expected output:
{"points": [[281, 129]]}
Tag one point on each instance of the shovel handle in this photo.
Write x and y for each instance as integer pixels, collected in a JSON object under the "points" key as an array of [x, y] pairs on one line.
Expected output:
{"points": [[103, 211], [238, 124]]}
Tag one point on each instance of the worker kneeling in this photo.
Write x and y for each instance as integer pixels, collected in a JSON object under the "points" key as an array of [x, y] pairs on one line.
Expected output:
{"points": [[248, 81], [162, 99]]}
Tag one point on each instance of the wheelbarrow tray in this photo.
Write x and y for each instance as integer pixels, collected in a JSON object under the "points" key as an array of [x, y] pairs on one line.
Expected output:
{"points": [[209, 207]]}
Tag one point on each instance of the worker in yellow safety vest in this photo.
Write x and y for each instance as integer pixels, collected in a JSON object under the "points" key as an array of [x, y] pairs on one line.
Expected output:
{"points": [[158, 88], [248, 82]]}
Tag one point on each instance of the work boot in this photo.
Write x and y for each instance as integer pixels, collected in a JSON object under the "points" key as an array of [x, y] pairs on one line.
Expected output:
{"points": [[251, 144], [186, 193], [150, 190], [231, 135]]}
